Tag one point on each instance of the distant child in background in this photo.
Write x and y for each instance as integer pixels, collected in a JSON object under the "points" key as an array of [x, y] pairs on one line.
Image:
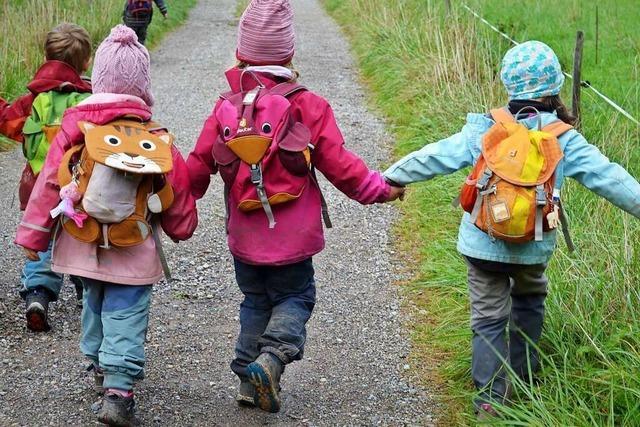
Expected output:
{"points": [[512, 198], [138, 15], [265, 137], [34, 120], [115, 178]]}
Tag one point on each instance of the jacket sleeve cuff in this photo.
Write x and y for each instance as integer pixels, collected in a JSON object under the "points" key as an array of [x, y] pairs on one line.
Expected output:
{"points": [[374, 189], [33, 237]]}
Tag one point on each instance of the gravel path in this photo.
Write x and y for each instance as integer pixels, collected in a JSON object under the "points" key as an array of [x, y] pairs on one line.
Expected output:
{"points": [[355, 370]]}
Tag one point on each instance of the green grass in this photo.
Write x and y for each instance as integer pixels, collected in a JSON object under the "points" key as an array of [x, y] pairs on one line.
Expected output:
{"points": [[425, 71], [241, 6], [25, 23]]}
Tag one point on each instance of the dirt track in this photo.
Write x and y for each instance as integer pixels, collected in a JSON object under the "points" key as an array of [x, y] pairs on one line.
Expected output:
{"points": [[354, 370]]}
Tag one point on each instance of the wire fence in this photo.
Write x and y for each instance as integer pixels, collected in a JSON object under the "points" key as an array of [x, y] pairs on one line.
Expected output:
{"points": [[583, 83]]}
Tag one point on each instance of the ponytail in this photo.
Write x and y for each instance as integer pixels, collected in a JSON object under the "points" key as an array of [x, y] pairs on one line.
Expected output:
{"points": [[554, 103]]}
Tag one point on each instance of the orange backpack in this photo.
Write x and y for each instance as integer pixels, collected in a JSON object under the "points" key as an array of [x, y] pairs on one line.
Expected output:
{"points": [[510, 192]]}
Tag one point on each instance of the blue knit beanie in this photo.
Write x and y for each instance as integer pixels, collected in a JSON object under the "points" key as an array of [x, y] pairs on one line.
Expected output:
{"points": [[531, 70]]}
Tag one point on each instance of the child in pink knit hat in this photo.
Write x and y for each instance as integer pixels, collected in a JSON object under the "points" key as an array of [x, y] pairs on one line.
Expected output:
{"points": [[117, 278], [122, 66], [274, 204]]}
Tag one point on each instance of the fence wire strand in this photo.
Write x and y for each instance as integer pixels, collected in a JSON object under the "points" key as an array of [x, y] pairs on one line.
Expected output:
{"points": [[583, 83]]}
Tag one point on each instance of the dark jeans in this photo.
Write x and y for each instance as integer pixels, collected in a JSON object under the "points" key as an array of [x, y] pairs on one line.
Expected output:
{"points": [[141, 31], [278, 302], [513, 298]]}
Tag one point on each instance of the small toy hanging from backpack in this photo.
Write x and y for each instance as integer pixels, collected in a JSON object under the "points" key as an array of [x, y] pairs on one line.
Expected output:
{"points": [[139, 8], [511, 193], [116, 183], [263, 152]]}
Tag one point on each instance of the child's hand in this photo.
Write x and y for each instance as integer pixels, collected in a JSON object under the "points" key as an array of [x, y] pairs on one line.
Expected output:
{"points": [[31, 255], [166, 15], [396, 193]]}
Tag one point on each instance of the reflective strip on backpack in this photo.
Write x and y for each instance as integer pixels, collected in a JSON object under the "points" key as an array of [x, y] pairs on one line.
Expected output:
{"points": [[541, 202]]}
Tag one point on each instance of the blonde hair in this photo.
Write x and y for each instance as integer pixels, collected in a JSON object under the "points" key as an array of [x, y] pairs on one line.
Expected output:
{"points": [[69, 43], [296, 74]]}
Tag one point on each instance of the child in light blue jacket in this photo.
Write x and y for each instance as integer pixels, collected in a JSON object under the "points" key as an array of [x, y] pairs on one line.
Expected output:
{"points": [[507, 281]]}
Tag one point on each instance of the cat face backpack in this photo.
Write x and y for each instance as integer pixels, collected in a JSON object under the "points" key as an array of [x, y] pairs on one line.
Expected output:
{"points": [[262, 151], [111, 184]]}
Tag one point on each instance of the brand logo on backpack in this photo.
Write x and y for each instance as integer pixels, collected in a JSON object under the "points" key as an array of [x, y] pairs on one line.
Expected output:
{"points": [[117, 176], [265, 157]]}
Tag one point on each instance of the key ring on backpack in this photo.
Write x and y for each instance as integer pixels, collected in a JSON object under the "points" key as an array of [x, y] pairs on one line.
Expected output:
{"points": [[252, 74], [530, 107]]}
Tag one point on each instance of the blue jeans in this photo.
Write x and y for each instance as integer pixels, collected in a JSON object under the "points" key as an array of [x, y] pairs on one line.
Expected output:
{"points": [[499, 299], [114, 328], [38, 274], [278, 302]]}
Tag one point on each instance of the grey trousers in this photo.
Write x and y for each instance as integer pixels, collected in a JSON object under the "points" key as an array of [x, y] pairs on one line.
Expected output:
{"points": [[500, 299]]}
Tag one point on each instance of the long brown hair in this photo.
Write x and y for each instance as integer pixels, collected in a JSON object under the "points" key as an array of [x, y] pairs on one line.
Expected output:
{"points": [[554, 103]]}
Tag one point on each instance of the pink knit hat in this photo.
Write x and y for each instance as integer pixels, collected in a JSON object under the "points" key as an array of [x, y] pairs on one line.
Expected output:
{"points": [[265, 35], [122, 66]]}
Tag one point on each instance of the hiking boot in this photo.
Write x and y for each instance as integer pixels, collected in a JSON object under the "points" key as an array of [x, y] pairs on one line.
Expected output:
{"points": [[116, 410], [265, 374], [37, 302], [77, 282], [486, 412], [246, 392]]}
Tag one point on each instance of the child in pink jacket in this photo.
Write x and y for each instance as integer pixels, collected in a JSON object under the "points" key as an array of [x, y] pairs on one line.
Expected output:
{"points": [[117, 281], [272, 247]]}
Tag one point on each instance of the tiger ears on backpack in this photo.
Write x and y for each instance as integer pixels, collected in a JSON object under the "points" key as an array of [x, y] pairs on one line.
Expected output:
{"points": [[85, 126]]}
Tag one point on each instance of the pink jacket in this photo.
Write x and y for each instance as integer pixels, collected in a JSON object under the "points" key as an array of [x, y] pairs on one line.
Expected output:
{"points": [[139, 265], [299, 233]]}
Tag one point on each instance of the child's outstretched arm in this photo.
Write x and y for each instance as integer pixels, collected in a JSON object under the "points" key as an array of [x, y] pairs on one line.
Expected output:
{"points": [[162, 6], [344, 169], [441, 158], [585, 163], [200, 163], [13, 116]]}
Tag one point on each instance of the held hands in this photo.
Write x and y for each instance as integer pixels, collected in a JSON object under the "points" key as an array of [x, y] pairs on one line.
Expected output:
{"points": [[396, 193]]}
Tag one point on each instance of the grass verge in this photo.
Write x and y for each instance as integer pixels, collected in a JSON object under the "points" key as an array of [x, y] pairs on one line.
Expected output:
{"points": [[426, 69], [25, 23]]}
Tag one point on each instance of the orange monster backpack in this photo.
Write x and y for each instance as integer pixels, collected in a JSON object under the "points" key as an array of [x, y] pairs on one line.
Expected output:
{"points": [[510, 192]]}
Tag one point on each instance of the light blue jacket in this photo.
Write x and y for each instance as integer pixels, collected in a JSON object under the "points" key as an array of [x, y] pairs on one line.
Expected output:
{"points": [[582, 161]]}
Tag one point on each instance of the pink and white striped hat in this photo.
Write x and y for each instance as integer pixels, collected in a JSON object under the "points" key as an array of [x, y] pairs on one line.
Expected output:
{"points": [[265, 34]]}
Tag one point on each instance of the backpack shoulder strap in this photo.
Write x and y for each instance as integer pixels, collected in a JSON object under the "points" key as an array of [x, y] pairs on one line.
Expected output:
{"points": [[502, 115], [287, 89], [557, 128]]}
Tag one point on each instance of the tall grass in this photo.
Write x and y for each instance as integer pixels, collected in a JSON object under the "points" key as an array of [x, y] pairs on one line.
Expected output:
{"points": [[426, 70], [25, 23]]}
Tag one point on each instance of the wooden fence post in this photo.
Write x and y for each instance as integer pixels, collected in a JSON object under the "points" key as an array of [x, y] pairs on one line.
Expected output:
{"points": [[577, 74], [447, 4]]}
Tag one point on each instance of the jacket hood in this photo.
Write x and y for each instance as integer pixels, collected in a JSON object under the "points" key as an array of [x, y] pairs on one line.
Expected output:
{"points": [[57, 75], [103, 110], [234, 77]]}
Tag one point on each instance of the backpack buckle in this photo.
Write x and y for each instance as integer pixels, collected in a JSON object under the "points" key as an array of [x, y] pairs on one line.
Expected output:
{"points": [[484, 180], [256, 175]]}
